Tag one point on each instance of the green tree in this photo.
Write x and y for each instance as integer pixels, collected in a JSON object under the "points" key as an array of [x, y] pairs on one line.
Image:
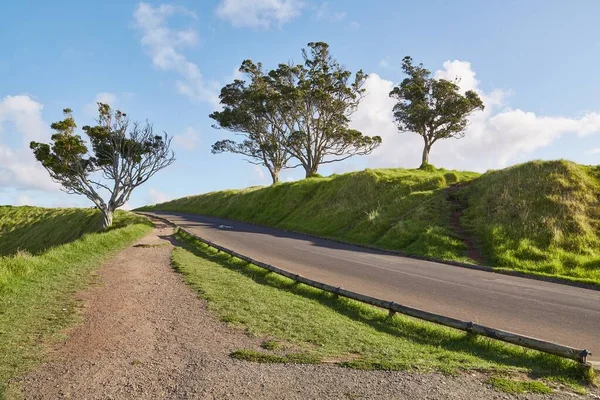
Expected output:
{"points": [[320, 96], [122, 158], [433, 108], [255, 111]]}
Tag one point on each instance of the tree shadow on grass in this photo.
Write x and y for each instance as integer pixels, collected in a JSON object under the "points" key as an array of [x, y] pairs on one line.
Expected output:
{"points": [[539, 364]]}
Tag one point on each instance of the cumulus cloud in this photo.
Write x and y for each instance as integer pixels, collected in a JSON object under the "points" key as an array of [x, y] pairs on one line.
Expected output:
{"points": [[165, 46], [497, 137], [259, 13], [156, 196], [188, 140], [21, 122]]}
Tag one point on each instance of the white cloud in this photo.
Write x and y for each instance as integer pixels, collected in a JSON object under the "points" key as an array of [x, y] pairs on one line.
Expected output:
{"points": [[593, 151], [495, 138], [354, 25], [156, 196], [21, 122], [325, 14], [259, 13], [188, 140], [164, 45], [91, 109], [26, 115]]}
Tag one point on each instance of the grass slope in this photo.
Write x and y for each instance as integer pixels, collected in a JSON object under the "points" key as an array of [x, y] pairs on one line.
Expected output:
{"points": [[306, 325], [541, 217], [35, 229], [390, 208], [37, 291]]}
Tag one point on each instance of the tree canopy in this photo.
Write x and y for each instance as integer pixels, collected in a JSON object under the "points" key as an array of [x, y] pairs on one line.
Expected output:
{"points": [[299, 112], [323, 95], [433, 108], [123, 156], [254, 110]]}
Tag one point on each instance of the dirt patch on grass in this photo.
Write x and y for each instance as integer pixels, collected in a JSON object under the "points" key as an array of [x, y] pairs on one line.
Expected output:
{"points": [[459, 206], [147, 335]]}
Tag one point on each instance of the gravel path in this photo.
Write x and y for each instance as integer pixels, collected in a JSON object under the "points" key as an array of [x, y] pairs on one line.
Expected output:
{"points": [[146, 335]]}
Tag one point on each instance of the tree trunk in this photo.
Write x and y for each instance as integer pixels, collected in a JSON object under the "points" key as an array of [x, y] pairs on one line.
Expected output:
{"points": [[425, 159], [311, 170], [274, 176], [107, 218]]}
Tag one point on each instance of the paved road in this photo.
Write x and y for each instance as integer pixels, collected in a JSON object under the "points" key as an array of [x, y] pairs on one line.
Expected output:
{"points": [[559, 313]]}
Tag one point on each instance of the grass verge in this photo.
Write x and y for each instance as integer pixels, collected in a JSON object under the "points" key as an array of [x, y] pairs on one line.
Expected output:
{"points": [[394, 209], [323, 327], [539, 218], [37, 294], [513, 386]]}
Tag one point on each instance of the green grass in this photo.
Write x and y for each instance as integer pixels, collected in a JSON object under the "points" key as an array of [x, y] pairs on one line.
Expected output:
{"points": [[513, 386], [541, 217], [37, 291], [325, 327], [390, 208], [34, 229]]}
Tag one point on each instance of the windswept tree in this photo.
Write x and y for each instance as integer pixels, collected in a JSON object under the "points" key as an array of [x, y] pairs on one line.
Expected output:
{"points": [[122, 157], [433, 108], [321, 95], [254, 110]]}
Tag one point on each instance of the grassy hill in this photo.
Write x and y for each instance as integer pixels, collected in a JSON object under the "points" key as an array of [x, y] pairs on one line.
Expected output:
{"points": [[46, 255], [538, 217], [35, 229]]}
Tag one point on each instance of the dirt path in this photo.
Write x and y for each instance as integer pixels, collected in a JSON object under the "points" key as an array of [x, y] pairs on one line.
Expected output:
{"points": [[146, 335], [472, 251]]}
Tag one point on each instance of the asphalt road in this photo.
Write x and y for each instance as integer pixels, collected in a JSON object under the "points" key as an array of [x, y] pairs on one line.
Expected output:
{"points": [[563, 314]]}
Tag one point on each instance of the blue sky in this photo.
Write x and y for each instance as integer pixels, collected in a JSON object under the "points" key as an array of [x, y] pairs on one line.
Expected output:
{"points": [[535, 64]]}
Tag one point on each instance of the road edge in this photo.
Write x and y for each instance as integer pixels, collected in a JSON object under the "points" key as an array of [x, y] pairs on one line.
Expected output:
{"points": [[501, 271]]}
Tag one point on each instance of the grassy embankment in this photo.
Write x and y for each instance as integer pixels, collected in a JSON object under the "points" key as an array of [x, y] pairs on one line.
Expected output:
{"points": [[46, 255], [539, 217], [300, 324]]}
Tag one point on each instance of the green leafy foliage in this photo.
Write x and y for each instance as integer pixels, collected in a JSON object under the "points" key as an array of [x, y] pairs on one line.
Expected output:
{"points": [[294, 111], [323, 96], [255, 110], [433, 108]]}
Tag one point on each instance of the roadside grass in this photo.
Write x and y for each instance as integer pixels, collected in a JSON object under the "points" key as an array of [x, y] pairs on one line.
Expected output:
{"points": [[513, 386], [541, 217], [397, 209], [37, 291], [328, 328]]}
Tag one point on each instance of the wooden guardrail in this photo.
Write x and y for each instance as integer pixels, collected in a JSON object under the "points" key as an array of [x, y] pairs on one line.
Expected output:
{"points": [[579, 355]]}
